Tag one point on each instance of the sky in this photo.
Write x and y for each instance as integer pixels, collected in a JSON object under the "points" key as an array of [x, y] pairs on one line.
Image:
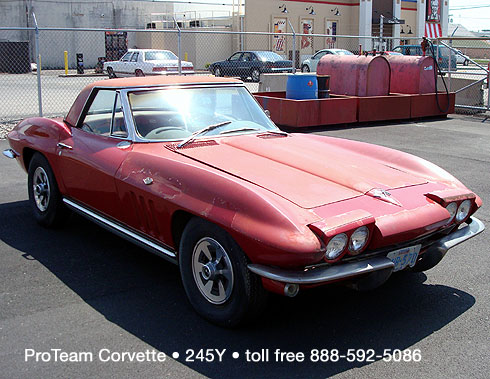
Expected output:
{"points": [[475, 19]]}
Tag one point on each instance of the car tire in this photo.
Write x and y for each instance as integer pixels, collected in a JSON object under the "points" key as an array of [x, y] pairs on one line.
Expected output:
{"points": [[466, 62], [227, 298], [139, 73], [44, 195], [305, 68], [110, 73], [255, 75], [217, 71]]}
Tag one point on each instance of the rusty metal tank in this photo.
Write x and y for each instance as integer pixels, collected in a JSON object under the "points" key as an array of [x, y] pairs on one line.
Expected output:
{"points": [[412, 74], [356, 75]]}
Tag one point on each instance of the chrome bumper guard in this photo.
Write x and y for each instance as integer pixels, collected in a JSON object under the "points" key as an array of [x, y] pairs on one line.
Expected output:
{"points": [[353, 269], [10, 153]]}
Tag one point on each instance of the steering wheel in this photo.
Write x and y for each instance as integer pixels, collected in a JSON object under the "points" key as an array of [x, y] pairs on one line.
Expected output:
{"points": [[87, 126], [155, 133], [203, 119]]}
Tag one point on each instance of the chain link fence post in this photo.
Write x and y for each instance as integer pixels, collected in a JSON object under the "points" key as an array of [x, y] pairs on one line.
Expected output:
{"points": [[38, 63], [179, 40], [294, 47]]}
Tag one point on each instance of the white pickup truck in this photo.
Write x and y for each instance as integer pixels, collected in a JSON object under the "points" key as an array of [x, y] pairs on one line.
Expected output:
{"points": [[143, 62]]}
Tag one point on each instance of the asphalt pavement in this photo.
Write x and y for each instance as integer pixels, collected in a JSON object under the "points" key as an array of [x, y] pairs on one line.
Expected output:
{"points": [[80, 293]]}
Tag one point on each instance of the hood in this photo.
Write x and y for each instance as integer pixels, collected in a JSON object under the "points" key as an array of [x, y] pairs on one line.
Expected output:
{"points": [[307, 172]]}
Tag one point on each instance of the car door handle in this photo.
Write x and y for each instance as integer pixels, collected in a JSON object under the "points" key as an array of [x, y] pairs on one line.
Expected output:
{"points": [[62, 145]]}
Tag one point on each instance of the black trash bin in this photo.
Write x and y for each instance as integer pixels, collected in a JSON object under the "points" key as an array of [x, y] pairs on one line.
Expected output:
{"points": [[323, 86], [80, 69]]}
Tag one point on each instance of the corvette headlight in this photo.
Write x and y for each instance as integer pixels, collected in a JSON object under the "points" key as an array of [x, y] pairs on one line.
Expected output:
{"points": [[452, 208], [358, 240], [336, 246], [463, 210]]}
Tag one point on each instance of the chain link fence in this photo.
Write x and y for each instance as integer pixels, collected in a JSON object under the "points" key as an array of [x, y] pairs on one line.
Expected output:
{"points": [[38, 77], [470, 79]]}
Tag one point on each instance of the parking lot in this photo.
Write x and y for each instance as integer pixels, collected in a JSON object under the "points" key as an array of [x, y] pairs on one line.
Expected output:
{"points": [[82, 289], [58, 91]]}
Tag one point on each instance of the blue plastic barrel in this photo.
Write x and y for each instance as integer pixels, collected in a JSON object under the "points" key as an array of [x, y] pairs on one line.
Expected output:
{"points": [[302, 86]]}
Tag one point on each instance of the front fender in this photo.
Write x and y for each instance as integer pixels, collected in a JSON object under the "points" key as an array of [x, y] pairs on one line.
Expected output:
{"points": [[269, 229]]}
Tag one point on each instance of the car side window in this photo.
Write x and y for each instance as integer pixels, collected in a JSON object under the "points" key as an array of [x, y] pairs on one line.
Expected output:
{"points": [[134, 58], [247, 57], [125, 57], [98, 118], [235, 56], [319, 55], [118, 128]]}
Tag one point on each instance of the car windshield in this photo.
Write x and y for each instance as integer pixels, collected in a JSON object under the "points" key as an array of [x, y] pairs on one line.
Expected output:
{"points": [[160, 56], [176, 113], [268, 56]]}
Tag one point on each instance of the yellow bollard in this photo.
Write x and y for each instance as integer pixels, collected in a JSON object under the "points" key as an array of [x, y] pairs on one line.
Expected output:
{"points": [[66, 62], [185, 56]]}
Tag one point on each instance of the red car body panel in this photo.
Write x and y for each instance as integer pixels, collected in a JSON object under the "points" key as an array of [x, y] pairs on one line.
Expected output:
{"points": [[88, 171], [232, 203], [274, 196], [297, 165]]}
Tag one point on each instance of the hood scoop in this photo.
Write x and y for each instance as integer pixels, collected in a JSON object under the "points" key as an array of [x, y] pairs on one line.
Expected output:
{"points": [[271, 135], [192, 145]]}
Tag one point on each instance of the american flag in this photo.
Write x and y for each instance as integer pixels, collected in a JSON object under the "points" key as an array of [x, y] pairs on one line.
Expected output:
{"points": [[280, 43]]}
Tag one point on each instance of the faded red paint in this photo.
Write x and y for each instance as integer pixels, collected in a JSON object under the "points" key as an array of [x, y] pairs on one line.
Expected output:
{"points": [[356, 75], [267, 193]]}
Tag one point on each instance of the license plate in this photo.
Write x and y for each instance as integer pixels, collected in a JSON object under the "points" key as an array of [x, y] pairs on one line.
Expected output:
{"points": [[172, 68], [404, 257]]}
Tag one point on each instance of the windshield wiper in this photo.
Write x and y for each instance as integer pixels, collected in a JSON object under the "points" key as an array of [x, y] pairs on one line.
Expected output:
{"points": [[238, 130], [193, 136]]}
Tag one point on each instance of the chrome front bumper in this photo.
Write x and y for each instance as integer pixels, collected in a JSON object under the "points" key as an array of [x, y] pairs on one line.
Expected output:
{"points": [[353, 269]]}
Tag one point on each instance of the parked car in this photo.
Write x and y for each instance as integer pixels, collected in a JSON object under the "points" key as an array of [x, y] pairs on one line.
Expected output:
{"points": [[444, 54], [311, 63], [245, 64], [384, 53], [143, 62], [192, 169], [462, 58]]}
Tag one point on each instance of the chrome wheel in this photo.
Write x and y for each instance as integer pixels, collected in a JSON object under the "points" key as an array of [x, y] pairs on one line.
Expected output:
{"points": [[217, 71], [255, 75], [212, 270], [41, 190], [110, 73]]}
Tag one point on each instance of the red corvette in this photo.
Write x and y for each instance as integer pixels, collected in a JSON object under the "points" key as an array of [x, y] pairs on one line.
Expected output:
{"points": [[192, 169]]}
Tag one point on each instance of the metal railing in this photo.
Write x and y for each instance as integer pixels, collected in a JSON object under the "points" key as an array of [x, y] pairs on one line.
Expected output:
{"points": [[471, 79]]}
